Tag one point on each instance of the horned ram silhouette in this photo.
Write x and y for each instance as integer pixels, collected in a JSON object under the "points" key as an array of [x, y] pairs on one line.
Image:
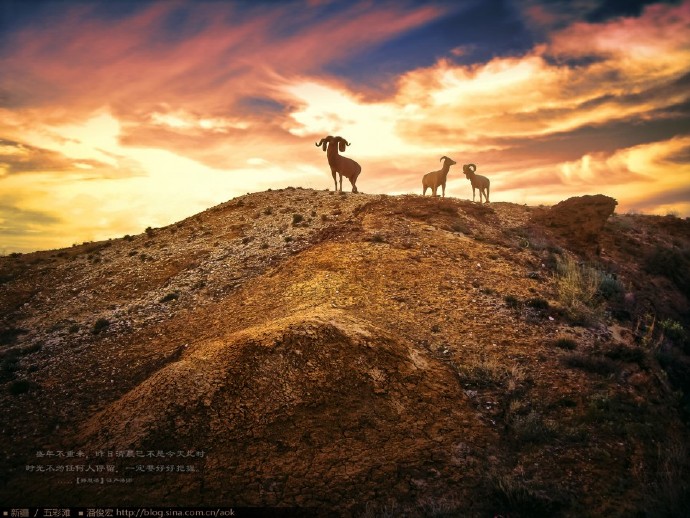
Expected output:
{"points": [[436, 179], [478, 182], [339, 164]]}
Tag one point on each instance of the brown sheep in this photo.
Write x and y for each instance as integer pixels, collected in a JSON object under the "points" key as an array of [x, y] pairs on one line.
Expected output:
{"points": [[478, 182], [341, 165], [436, 178]]}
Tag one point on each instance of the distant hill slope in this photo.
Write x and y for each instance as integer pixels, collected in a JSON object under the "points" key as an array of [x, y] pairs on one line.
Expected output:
{"points": [[362, 353]]}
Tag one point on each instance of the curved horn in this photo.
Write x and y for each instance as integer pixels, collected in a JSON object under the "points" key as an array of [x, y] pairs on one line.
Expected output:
{"points": [[441, 159], [325, 142], [342, 143], [469, 167]]}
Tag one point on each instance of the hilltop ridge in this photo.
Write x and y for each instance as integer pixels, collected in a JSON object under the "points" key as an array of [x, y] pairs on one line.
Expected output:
{"points": [[365, 353]]}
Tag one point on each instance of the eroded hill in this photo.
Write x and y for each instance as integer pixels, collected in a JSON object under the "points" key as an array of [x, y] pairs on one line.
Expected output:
{"points": [[361, 353]]}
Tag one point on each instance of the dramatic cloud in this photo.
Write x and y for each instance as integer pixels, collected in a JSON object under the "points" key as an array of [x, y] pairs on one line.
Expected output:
{"points": [[142, 113]]}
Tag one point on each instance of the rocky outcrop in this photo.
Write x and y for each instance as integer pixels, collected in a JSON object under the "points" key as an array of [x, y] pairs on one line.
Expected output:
{"points": [[580, 220]]}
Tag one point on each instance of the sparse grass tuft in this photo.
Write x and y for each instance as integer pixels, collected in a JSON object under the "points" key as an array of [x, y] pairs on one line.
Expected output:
{"points": [[578, 291], [100, 325], [483, 371], [538, 303], [669, 489], [594, 364], [531, 428], [520, 498], [675, 332], [297, 219], [565, 343], [170, 297], [628, 354], [512, 301]]}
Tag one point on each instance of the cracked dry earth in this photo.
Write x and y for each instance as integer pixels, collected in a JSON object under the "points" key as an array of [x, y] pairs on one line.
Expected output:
{"points": [[349, 353]]}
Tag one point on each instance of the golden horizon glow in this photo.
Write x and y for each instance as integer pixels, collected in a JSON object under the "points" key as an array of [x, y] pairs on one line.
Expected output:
{"points": [[177, 133]]}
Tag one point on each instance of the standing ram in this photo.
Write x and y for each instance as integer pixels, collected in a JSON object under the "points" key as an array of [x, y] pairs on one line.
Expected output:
{"points": [[341, 165], [437, 178], [478, 182]]}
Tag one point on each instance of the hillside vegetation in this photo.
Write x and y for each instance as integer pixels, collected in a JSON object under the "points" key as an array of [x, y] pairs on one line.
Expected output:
{"points": [[366, 354]]}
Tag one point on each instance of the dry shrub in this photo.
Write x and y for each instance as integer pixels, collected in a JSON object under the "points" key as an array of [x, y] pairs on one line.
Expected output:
{"points": [[578, 291]]}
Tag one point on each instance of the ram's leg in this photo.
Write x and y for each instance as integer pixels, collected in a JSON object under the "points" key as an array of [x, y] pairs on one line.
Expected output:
{"points": [[335, 181]]}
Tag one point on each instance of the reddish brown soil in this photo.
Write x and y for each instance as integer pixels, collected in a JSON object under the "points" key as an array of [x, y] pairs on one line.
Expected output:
{"points": [[373, 355]]}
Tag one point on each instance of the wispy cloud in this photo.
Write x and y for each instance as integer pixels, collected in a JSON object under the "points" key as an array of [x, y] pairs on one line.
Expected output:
{"points": [[171, 106]]}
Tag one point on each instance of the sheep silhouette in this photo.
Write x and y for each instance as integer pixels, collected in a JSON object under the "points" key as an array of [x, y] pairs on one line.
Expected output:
{"points": [[478, 182], [340, 165]]}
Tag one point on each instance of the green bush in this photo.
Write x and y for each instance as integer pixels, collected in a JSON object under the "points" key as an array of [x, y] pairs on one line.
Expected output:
{"points": [[610, 287], [674, 331]]}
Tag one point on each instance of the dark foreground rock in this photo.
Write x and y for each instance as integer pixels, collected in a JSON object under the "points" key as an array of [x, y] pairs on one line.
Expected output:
{"points": [[580, 219]]}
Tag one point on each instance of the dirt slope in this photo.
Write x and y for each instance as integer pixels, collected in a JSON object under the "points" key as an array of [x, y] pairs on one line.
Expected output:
{"points": [[369, 354]]}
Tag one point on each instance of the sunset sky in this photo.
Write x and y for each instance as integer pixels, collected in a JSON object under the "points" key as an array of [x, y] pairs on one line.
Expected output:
{"points": [[117, 115]]}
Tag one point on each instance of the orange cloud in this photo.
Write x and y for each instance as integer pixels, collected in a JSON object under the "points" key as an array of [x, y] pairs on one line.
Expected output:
{"points": [[164, 126]]}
